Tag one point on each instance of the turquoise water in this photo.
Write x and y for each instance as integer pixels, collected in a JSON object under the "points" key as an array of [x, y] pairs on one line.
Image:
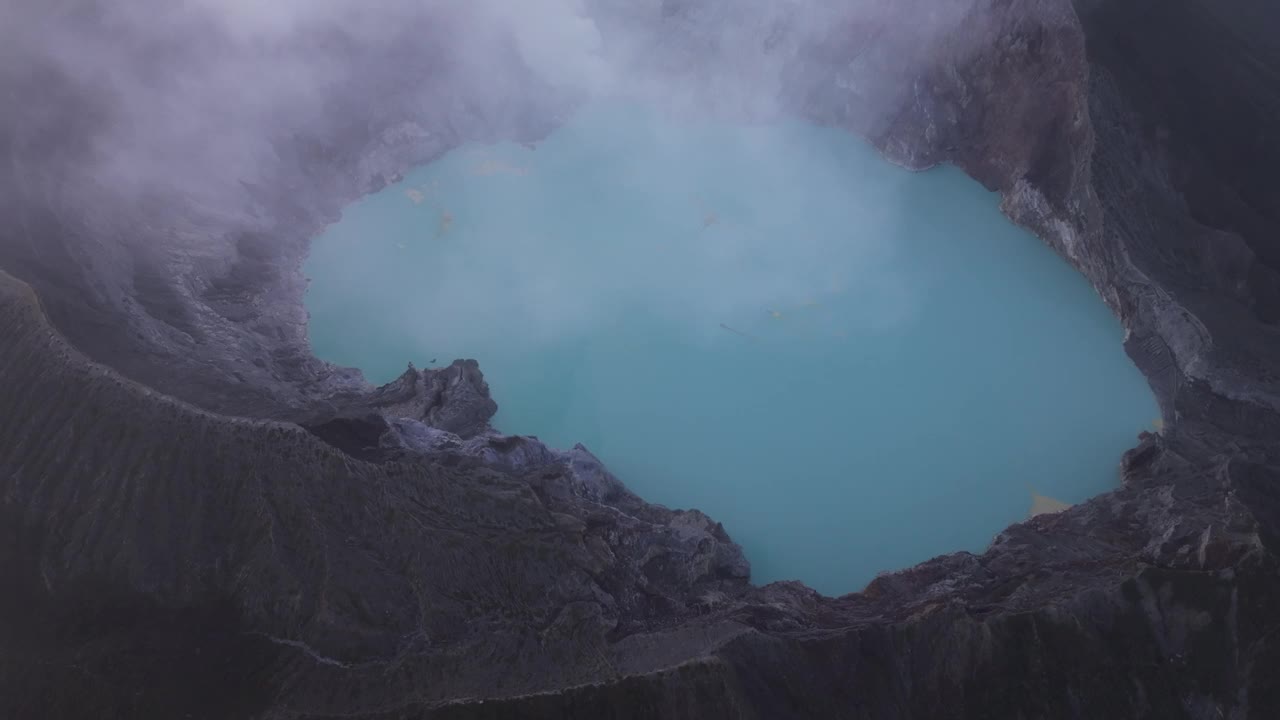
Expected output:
{"points": [[853, 367]]}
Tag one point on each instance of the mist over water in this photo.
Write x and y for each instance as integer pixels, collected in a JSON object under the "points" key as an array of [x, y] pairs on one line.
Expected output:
{"points": [[853, 367]]}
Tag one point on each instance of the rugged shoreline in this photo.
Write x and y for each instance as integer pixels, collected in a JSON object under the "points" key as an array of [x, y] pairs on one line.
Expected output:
{"points": [[171, 559]]}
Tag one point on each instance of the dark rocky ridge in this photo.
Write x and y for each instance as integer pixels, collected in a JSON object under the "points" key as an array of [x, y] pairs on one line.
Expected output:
{"points": [[167, 559]]}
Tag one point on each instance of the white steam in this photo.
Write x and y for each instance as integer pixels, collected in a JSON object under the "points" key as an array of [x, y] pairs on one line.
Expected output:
{"points": [[201, 99]]}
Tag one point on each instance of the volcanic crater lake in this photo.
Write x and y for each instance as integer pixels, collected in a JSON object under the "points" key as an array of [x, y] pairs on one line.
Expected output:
{"points": [[853, 367]]}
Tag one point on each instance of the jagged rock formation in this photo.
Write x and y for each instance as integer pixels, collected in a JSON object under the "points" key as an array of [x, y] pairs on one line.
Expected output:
{"points": [[201, 520], [454, 572]]}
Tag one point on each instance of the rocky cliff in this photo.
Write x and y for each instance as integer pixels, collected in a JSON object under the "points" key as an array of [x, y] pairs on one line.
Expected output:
{"points": [[201, 520]]}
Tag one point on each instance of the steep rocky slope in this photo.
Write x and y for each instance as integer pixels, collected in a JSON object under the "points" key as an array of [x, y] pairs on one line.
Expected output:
{"points": [[202, 520]]}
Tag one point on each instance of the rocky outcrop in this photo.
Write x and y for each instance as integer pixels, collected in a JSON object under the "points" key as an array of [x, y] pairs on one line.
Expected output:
{"points": [[202, 520], [138, 524]]}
